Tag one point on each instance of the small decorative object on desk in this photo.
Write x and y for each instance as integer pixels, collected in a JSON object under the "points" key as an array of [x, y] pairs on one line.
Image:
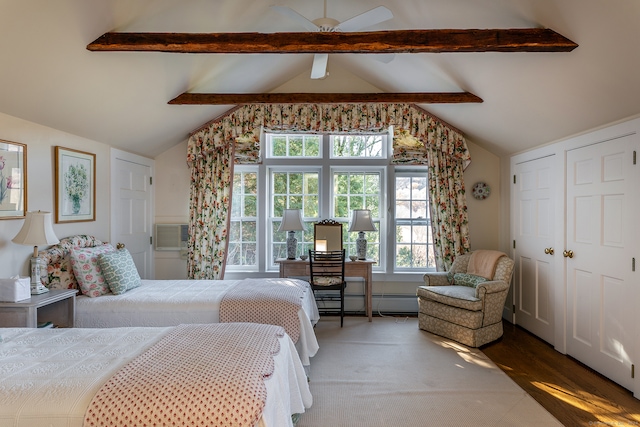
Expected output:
{"points": [[353, 257], [304, 257]]}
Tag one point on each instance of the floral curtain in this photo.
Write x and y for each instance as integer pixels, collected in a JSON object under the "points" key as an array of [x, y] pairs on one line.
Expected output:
{"points": [[442, 148], [209, 206]]}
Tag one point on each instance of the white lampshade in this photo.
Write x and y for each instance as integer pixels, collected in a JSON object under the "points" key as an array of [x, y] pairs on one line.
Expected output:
{"points": [[291, 220], [37, 230], [361, 221]]}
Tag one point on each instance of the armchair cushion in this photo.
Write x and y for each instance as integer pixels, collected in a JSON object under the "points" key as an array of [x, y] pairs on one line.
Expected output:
{"points": [[466, 279], [455, 296]]}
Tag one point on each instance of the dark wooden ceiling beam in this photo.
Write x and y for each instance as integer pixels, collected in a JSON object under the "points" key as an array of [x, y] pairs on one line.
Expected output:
{"points": [[401, 41], [324, 98]]}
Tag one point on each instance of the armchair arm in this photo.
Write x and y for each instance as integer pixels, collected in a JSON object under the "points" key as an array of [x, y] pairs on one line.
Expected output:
{"points": [[493, 294], [436, 279], [491, 287]]}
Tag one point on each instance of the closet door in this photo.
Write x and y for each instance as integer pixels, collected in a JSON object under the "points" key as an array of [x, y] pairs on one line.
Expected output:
{"points": [[534, 250], [600, 247]]}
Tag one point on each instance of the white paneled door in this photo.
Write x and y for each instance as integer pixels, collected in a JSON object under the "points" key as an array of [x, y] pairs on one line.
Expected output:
{"points": [[602, 181], [132, 208], [534, 250]]}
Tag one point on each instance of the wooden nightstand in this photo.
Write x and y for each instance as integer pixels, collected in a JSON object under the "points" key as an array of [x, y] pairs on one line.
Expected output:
{"points": [[58, 307]]}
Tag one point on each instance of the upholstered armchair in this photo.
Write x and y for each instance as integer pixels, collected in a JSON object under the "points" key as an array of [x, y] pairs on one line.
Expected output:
{"points": [[464, 307]]}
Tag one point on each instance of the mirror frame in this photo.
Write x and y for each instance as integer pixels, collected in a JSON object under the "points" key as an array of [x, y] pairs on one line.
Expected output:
{"points": [[328, 230]]}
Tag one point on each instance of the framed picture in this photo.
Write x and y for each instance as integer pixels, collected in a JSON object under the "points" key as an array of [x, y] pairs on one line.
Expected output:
{"points": [[75, 185], [13, 180]]}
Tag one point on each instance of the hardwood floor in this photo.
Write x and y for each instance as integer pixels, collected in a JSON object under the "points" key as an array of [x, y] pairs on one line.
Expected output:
{"points": [[573, 393]]}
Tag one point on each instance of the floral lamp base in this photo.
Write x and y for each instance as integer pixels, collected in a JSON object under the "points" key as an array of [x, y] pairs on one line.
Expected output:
{"points": [[361, 246], [292, 245], [37, 268]]}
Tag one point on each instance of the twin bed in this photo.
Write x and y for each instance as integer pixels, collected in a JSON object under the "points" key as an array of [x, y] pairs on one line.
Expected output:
{"points": [[195, 336], [173, 302], [87, 377]]}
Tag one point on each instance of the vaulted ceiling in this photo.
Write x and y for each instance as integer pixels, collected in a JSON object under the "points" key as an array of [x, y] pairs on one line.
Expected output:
{"points": [[48, 75]]}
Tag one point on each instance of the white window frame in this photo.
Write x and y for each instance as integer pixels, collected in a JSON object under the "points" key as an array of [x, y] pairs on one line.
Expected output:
{"points": [[256, 266], [379, 221], [408, 172], [270, 218], [384, 152]]}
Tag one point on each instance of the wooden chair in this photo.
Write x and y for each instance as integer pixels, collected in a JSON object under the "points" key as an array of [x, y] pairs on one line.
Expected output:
{"points": [[326, 271]]}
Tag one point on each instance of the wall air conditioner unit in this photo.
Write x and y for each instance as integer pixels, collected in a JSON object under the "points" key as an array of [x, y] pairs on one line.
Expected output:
{"points": [[171, 237]]}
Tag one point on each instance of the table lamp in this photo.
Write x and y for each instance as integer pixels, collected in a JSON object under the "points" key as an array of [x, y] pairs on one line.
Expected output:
{"points": [[291, 222], [37, 230], [361, 222]]}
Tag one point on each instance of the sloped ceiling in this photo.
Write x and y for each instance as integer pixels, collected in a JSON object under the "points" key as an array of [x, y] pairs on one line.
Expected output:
{"points": [[120, 98]]}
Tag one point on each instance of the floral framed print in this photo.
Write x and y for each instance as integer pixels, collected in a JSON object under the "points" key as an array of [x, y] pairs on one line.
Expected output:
{"points": [[13, 180], [75, 185]]}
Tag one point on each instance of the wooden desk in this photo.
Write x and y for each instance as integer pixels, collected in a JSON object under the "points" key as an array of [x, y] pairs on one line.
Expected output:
{"points": [[297, 267]]}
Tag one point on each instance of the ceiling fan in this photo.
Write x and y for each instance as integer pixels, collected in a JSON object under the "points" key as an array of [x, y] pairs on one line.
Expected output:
{"points": [[325, 24]]}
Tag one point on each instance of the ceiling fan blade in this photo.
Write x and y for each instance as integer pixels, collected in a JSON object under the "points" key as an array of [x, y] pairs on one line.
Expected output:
{"points": [[319, 68], [295, 16], [366, 19]]}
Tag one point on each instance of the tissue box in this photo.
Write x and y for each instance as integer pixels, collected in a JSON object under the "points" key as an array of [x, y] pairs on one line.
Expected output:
{"points": [[15, 289]]}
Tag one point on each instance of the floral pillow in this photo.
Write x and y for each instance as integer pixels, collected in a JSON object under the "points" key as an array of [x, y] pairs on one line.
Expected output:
{"points": [[84, 262], [119, 271], [466, 279]]}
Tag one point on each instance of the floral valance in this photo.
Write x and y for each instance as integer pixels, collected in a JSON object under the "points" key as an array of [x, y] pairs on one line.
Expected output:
{"points": [[243, 125]]}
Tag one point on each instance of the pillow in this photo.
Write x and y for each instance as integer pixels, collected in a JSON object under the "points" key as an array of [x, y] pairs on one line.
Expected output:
{"points": [[119, 271], [87, 271], [466, 279]]}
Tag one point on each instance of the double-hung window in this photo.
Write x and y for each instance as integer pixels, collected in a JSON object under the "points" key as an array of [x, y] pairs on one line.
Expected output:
{"points": [[414, 242], [243, 231]]}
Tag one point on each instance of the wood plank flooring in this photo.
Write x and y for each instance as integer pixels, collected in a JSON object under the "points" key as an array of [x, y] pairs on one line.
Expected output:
{"points": [[573, 393]]}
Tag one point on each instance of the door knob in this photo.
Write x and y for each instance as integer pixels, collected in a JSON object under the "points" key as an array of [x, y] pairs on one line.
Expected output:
{"points": [[119, 245], [568, 254], [549, 251]]}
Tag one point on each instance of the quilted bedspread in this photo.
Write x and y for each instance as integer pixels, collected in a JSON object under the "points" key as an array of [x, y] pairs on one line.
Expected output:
{"points": [[274, 302], [178, 383]]}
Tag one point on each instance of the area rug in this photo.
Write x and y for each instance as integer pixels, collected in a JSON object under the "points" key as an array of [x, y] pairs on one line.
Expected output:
{"points": [[390, 373]]}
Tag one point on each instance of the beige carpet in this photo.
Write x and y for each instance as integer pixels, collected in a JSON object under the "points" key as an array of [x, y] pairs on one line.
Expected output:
{"points": [[390, 373]]}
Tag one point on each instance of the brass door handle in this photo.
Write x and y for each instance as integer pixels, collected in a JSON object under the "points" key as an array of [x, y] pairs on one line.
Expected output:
{"points": [[120, 245], [568, 254], [549, 251]]}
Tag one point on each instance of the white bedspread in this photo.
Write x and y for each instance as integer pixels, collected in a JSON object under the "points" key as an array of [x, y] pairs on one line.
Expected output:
{"points": [[50, 376], [172, 302]]}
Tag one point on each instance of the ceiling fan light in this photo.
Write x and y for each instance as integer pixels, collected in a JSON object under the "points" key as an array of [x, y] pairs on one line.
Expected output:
{"points": [[326, 24]]}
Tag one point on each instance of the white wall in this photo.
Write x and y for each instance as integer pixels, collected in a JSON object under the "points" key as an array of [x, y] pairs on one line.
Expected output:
{"points": [[173, 182], [40, 142]]}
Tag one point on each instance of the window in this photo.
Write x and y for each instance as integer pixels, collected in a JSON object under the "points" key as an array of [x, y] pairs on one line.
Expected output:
{"points": [[362, 146], [293, 190], [327, 177], [243, 231], [358, 190], [414, 243], [294, 145]]}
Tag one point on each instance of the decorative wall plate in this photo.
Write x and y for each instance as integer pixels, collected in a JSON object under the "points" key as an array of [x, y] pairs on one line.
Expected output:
{"points": [[481, 190]]}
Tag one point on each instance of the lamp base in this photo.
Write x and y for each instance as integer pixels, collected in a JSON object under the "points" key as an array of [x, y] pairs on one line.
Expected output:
{"points": [[38, 288], [292, 245], [37, 268], [361, 246]]}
